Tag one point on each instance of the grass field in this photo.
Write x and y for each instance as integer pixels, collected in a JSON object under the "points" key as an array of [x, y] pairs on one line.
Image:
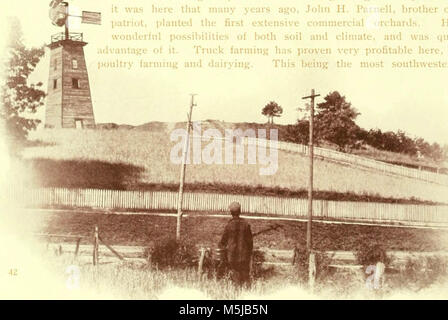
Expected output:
{"points": [[366, 150], [128, 280], [136, 159], [135, 281], [132, 279]]}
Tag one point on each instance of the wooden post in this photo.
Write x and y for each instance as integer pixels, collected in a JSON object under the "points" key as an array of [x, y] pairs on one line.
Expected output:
{"points": [[77, 247], [95, 246], [310, 183], [201, 262], [251, 264], [182, 172], [311, 270]]}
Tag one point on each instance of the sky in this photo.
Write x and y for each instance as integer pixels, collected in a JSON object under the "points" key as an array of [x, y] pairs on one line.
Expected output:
{"points": [[413, 101]]}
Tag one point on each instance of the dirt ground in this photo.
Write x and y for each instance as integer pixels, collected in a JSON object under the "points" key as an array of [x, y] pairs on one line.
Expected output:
{"points": [[146, 229]]}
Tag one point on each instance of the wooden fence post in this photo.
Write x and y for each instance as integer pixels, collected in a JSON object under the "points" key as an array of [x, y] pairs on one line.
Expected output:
{"points": [[77, 247], [95, 246], [201, 263], [311, 270], [251, 264]]}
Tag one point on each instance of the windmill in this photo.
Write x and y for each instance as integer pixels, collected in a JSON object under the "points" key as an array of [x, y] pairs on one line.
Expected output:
{"points": [[69, 101]]}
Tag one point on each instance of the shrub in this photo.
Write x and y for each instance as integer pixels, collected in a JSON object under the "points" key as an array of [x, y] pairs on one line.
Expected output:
{"points": [[420, 273], [258, 270], [370, 254], [219, 269], [436, 267], [170, 253]]}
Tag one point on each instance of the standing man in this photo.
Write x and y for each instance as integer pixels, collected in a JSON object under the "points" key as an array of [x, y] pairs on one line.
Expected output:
{"points": [[237, 240]]}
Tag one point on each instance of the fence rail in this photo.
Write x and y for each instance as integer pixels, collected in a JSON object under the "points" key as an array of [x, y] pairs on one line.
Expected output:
{"points": [[215, 202], [355, 160]]}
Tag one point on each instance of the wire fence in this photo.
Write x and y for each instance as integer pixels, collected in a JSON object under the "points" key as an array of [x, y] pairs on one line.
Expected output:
{"points": [[353, 160]]}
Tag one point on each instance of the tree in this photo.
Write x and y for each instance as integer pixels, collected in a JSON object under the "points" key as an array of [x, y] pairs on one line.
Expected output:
{"points": [[423, 147], [445, 152], [362, 135], [335, 121], [391, 141], [19, 98], [298, 133], [437, 152], [406, 144], [271, 110], [375, 138]]}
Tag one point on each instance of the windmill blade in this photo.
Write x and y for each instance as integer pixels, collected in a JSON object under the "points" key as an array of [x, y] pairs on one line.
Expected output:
{"points": [[58, 13], [55, 3], [90, 17]]}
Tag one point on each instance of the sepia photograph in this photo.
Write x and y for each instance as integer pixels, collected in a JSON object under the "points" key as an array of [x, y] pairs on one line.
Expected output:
{"points": [[224, 150]]}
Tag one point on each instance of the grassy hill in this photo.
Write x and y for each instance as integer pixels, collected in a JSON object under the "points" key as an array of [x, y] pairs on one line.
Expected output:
{"points": [[138, 158], [365, 151]]}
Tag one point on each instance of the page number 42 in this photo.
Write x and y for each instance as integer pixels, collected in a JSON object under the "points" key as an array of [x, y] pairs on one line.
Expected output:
{"points": [[13, 272]]}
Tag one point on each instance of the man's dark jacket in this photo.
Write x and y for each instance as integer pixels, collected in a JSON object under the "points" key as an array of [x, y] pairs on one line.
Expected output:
{"points": [[237, 239]]}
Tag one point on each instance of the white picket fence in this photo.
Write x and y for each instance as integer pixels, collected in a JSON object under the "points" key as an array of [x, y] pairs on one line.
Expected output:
{"points": [[215, 202], [356, 160]]}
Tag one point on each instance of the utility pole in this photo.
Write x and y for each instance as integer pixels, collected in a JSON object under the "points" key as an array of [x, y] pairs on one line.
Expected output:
{"points": [[310, 184], [182, 172]]}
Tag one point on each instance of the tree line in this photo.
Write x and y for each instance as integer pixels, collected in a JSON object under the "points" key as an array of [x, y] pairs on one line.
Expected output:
{"points": [[335, 122]]}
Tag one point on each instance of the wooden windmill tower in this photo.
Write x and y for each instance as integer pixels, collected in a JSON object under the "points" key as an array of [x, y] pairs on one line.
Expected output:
{"points": [[68, 102]]}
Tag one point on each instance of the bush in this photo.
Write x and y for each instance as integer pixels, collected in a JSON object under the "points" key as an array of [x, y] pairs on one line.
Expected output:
{"points": [[219, 269], [371, 254], [258, 270], [170, 253], [420, 273]]}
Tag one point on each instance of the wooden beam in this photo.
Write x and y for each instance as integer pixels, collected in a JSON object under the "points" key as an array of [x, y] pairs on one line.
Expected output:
{"points": [[111, 249]]}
